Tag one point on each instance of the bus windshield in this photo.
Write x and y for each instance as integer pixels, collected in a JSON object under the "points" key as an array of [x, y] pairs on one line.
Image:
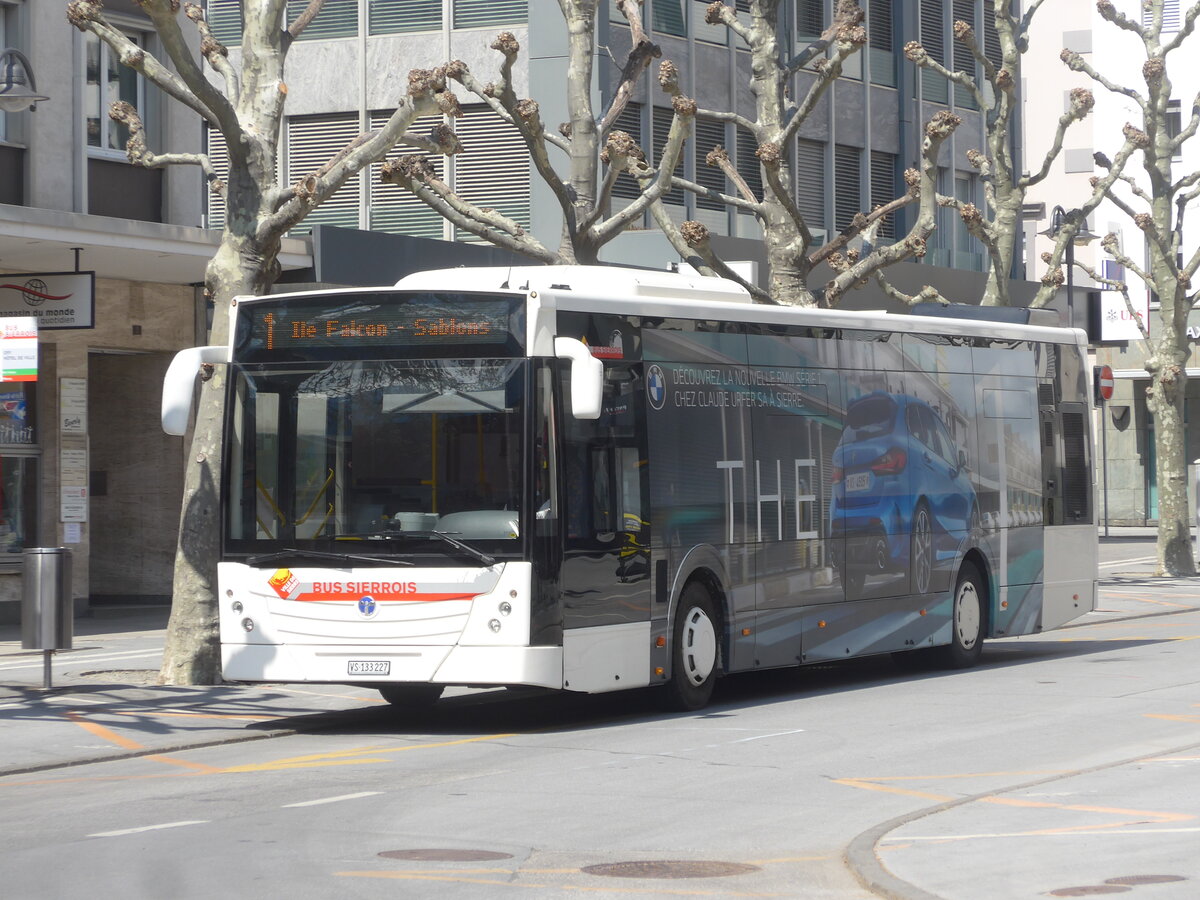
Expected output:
{"points": [[383, 457]]}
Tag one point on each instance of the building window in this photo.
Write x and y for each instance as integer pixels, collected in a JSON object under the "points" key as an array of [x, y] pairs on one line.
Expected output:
{"points": [[810, 20], [880, 43], [486, 13], [883, 190], [666, 17], [747, 164], [19, 479], [934, 86], [964, 59], [810, 184], [629, 121], [1174, 125], [847, 179], [311, 142], [107, 83], [493, 169], [710, 133], [660, 124], [397, 210], [218, 155], [390, 17], [337, 19]]}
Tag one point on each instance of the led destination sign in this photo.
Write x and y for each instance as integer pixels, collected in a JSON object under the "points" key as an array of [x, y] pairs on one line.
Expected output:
{"points": [[374, 324]]}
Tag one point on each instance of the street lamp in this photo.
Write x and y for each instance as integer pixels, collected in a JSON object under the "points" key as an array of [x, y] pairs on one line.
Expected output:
{"points": [[1059, 218], [18, 90]]}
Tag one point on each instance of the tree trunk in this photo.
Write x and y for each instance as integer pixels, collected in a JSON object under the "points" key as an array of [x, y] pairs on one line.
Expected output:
{"points": [[192, 651]]}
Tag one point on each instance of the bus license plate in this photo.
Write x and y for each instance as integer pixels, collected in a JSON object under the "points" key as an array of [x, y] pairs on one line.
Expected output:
{"points": [[859, 481], [369, 667]]}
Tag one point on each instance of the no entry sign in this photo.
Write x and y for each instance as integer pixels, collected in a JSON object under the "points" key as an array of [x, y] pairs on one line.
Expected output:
{"points": [[1102, 378]]}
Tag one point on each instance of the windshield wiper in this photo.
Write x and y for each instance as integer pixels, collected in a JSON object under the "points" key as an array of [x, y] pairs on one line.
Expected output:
{"points": [[473, 552], [293, 553]]}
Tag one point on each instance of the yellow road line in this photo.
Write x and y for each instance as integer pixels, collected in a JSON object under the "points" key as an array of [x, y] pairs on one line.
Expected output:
{"points": [[103, 733], [355, 756]]}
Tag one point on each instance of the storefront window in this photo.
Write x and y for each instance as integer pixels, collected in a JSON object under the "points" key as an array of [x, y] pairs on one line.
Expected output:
{"points": [[18, 470]]}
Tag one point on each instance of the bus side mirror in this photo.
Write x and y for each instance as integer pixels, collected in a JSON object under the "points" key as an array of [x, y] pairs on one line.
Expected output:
{"points": [[179, 384], [587, 377]]}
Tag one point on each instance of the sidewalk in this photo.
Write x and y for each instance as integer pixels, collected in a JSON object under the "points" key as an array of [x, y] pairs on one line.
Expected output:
{"points": [[105, 704]]}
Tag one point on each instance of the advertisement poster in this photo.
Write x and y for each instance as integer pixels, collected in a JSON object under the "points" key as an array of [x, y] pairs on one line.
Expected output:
{"points": [[18, 349]]}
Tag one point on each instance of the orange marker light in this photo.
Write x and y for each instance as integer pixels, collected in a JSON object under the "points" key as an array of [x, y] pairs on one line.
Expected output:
{"points": [[745, 632], [660, 641], [821, 624]]}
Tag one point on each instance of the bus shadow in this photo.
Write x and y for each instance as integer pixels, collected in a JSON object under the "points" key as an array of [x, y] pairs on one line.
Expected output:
{"points": [[523, 710]]}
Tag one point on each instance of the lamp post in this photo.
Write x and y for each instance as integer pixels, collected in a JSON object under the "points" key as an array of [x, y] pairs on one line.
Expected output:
{"points": [[1059, 218], [18, 89]]}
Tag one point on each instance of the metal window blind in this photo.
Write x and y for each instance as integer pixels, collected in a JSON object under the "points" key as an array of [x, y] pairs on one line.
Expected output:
{"points": [[311, 142], [883, 189], [881, 42], [666, 17], [810, 182], [709, 133], [991, 39], [394, 17], [747, 164], [218, 155], [660, 129], [847, 180], [394, 209], [493, 169], [933, 38], [337, 19], [629, 121], [810, 18], [482, 13], [964, 60]]}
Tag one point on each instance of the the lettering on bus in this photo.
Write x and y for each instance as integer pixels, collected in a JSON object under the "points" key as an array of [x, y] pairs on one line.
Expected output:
{"points": [[364, 587], [769, 490]]}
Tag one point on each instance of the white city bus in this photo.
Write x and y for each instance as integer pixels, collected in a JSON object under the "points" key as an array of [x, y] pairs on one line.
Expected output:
{"points": [[596, 479]]}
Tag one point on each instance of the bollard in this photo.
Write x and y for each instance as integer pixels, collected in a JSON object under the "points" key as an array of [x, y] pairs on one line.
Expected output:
{"points": [[47, 613]]}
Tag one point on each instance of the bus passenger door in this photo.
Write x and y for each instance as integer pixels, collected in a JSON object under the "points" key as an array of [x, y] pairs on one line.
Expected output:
{"points": [[606, 542]]}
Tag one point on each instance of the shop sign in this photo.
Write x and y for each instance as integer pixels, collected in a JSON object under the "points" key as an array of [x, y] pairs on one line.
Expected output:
{"points": [[18, 349], [1116, 321], [55, 299]]}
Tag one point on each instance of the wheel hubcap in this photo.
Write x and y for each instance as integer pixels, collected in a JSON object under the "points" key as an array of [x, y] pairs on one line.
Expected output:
{"points": [[922, 539], [967, 618], [699, 646]]}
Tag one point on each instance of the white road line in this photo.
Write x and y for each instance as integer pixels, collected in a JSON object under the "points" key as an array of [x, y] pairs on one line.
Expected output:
{"points": [[759, 737], [148, 828], [331, 799], [77, 659], [1127, 562]]}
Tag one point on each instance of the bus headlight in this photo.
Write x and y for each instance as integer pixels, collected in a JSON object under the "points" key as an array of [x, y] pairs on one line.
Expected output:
{"points": [[237, 607], [248, 623], [494, 624], [505, 608]]}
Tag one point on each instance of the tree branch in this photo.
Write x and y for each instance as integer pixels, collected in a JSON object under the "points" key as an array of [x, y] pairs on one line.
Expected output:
{"points": [[1082, 101]]}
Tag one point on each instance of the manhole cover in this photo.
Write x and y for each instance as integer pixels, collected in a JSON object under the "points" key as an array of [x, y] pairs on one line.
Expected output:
{"points": [[1089, 890], [669, 868], [445, 855], [1134, 880]]}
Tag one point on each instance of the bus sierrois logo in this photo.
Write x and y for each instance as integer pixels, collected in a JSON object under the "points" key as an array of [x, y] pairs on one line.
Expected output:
{"points": [[284, 582]]}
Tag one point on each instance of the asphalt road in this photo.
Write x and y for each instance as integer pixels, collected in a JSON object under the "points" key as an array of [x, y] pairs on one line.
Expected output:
{"points": [[1067, 764]]}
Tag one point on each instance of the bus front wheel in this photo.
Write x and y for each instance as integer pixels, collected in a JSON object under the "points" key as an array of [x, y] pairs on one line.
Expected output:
{"points": [[411, 696], [695, 653]]}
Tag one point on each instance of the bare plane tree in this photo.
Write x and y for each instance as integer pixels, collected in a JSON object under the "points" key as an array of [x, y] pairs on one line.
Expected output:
{"points": [[246, 106], [1156, 200], [595, 153], [792, 255]]}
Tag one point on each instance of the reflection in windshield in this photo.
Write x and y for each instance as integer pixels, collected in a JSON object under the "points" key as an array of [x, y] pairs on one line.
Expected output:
{"points": [[373, 450]]}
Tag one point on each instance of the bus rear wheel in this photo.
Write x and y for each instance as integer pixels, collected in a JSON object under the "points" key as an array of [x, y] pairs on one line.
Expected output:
{"points": [[411, 696], [968, 622], [695, 653]]}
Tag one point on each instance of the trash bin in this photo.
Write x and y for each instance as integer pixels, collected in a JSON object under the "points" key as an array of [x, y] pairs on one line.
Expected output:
{"points": [[47, 609]]}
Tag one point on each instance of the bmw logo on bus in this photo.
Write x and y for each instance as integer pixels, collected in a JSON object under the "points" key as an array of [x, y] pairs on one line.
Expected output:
{"points": [[368, 607], [656, 386]]}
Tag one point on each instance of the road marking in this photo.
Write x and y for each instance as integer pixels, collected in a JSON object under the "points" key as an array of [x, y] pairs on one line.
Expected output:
{"points": [[331, 799], [194, 715], [104, 733], [355, 756], [78, 659], [1128, 562], [148, 828], [526, 885], [762, 736]]}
